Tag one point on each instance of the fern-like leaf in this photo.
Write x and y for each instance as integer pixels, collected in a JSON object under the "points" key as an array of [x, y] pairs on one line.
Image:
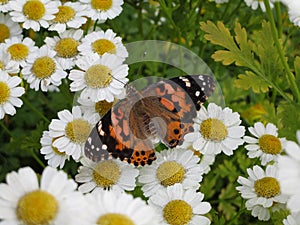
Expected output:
{"points": [[239, 50], [251, 80]]}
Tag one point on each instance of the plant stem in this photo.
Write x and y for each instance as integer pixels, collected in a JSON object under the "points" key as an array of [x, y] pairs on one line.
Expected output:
{"points": [[279, 22], [228, 17], [35, 110], [37, 159], [6, 129], [290, 75], [169, 16], [88, 23]]}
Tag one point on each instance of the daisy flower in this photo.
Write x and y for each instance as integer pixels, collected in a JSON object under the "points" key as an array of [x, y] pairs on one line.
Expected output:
{"points": [[99, 78], [293, 11], [20, 50], [66, 47], [6, 64], [293, 219], [52, 154], [107, 174], [176, 205], [8, 28], [68, 16], [111, 207], [103, 10], [25, 200], [255, 3], [206, 160], [265, 144], [216, 130], [42, 69], [9, 94], [261, 190], [4, 6], [71, 130], [33, 13], [103, 42], [100, 107], [171, 166], [289, 174]]}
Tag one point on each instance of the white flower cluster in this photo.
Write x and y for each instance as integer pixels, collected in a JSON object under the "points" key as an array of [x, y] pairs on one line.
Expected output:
{"points": [[293, 7], [44, 67]]}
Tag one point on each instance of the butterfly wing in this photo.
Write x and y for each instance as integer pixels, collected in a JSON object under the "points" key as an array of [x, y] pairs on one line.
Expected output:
{"points": [[179, 99], [166, 108], [114, 137]]}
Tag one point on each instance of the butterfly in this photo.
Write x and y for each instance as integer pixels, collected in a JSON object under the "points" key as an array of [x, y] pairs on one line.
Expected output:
{"points": [[164, 110]]}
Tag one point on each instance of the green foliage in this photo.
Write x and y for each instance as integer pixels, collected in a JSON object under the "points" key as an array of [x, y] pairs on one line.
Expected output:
{"points": [[289, 119], [251, 80], [264, 70], [259, 55]]}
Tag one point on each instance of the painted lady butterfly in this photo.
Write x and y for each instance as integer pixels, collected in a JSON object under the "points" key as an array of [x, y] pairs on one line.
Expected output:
{"points": [[163, 110]]}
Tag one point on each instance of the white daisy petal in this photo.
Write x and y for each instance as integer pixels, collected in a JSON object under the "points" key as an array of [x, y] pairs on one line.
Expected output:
{"points": [[90, 172], [262, 190], [168, 163], [10, 94], [62, 196], [190, 197]]}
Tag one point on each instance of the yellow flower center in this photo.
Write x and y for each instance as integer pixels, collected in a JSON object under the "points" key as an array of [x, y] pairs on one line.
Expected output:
{"points": [[34, 9], [65, 14], [66, 48], [102, 46], [101, 5], [213, 129], [37, 207], [169, 173], [4, 92], [106, 173], [18, 51], [43, 67], [4, 32], [3, 2], [55, 150], [98, 76], [114, 219], [270, 144], [267, 187], [102, 107], [78, 130], [178, 212]]}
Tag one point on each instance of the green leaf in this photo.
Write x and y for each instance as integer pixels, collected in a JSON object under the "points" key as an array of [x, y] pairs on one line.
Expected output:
{"points": [[289, 118], [267, 52], [208, 185], [239, 49], [251, 80], [297, 69], [228, 201]]}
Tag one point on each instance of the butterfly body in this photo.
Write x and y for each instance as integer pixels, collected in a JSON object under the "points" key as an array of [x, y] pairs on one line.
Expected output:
{"points": [[164, 110]]}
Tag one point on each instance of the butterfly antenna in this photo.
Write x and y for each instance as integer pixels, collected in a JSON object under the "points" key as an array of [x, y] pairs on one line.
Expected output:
{"points": [[125, 84]]}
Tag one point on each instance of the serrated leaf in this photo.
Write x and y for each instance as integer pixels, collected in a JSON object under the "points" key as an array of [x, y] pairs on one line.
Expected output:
{"points": [[208, 184], [227, 170], [289, 118], [267, 52], [228, 201], [251, 80], [239, 48]]}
